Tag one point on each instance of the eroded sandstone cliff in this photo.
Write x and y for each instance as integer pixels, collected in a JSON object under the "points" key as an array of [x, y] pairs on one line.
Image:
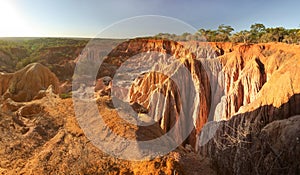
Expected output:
{"points": [[249, 94], [248, 142], [250, 85], [26, 83], [43, 137], [229, 78]]}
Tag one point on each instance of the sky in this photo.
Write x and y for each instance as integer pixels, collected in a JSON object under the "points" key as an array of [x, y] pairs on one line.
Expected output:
{"points": [[88, 18]]}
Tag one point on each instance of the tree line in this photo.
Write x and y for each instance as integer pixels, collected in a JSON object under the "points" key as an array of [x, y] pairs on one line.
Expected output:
{"points": [[257, 33]]}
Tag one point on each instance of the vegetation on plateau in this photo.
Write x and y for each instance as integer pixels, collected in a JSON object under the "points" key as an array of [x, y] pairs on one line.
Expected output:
{"points": [[16, 53], [257, 33]]}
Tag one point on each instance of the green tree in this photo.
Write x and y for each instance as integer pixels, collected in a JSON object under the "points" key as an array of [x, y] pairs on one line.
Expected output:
{"points": [[257, 33], [274, 34], [224, 32], [257, 30], [242, 36], [208, 35]]}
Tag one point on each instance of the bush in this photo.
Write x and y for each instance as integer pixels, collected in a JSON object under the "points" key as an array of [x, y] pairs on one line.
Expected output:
{"points": [[66, 95]]}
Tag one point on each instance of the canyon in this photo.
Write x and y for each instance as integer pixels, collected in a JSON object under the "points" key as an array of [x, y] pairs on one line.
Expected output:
{"points": [[232, 109]]}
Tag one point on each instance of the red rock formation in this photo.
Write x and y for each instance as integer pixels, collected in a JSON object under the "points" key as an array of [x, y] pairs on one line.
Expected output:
{"points": [[254, 87], [158, 90], [266, 89], [25, 84], [103, 86], [228, 77]]}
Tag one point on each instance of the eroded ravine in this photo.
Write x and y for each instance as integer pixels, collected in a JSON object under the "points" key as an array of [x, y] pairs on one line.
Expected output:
{"points": [[254, 88], [228, 77]]}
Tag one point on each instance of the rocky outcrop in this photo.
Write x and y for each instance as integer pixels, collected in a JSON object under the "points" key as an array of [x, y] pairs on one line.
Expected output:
{"points": [[248, 68], [169, 68], [103, 86], [26, 83], [248, 94], [250, 85], [280, 147], [255, 135], [244, 137], [229, 78], [44, 137]]}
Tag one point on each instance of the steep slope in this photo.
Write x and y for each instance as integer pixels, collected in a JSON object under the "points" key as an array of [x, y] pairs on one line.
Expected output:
{"points": [[229, 78], [43, 137], [250, 133], [250, 92], [172, 68], [10, 54], [26, 83]]}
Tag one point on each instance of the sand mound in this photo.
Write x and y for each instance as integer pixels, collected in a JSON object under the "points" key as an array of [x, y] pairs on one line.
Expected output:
{"points": [[26, 83]]}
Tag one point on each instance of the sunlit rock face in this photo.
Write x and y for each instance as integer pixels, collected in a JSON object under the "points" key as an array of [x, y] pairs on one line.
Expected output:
{"points": [[166, 78], [26, 83], [243, 88], [250, 92], [228, 79], [262, 104]]}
